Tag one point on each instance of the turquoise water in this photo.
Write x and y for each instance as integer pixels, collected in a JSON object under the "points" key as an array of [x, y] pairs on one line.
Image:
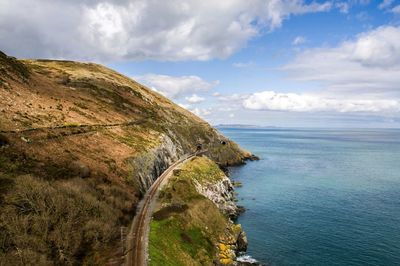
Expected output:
{"points": [[321, 197]]}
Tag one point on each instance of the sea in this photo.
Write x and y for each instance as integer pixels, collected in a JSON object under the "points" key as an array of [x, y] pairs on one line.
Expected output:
{"points": [[320, 196]]}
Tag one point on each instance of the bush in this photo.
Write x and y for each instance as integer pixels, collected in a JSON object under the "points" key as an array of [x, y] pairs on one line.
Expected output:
{"points": [[4, 140], [60, 222]]}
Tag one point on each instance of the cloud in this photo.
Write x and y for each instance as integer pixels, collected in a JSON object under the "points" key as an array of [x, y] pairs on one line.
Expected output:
{"points": [[176, 87], [202, 112], [270, 100], [141, 29], [299, 40], [243, 64], [396, 9], [361, 75], [366, 65], [385, 4], [194, 99], [236, 97], [343, 7]]}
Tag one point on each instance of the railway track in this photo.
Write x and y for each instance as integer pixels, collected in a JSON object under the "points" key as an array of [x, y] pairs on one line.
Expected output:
{"points": [[137, 239]]}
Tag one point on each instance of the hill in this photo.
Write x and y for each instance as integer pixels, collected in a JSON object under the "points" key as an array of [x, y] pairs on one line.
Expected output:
{"points": [[79, 145]]}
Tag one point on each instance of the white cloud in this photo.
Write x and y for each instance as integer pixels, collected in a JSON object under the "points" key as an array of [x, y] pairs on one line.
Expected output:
{"points": [[396, 9], [269, 100], [194, 99], [379, 47], [140, 29], [359, 75], [385, 4], [232, 98], [343, 7], [176, 87], [367, 65], [202, 112], [299, 40]]}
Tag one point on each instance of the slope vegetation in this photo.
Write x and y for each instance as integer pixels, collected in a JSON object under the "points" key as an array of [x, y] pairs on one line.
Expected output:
{"points": [[191, 225], [79, 144]]}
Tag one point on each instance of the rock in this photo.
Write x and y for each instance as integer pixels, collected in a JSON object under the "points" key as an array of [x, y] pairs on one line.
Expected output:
{"points": [[242, 242], [237, 184], [150, 164], [25, 139], [222, 194], [226, 261], [240, 210], [253, 158]]}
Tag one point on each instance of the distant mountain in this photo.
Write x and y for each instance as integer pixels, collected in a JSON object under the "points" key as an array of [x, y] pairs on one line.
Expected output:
{"points": [[241, 126]]}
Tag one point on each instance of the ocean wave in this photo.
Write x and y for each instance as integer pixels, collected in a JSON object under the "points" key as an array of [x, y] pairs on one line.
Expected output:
{"points": [[246, 258]]}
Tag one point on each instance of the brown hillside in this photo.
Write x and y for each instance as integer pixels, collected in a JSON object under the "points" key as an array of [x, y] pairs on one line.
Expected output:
{"points": [[79, 144]]}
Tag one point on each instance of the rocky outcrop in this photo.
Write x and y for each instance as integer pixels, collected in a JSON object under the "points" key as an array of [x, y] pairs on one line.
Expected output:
{"points": [[221, 193], [149, 165], [233, 243]]}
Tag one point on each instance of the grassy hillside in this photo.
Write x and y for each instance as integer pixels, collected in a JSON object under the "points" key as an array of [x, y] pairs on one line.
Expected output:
{"points": [[188, 228], [73, 139]]}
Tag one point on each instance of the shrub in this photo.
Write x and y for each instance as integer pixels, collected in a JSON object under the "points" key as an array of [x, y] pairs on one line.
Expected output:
{"points": [[4, 140], [60, 222], [72, 125]]}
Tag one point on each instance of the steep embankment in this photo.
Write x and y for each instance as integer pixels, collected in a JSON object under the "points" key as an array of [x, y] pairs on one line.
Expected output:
{"points": [[79, 144], [191, 224]]}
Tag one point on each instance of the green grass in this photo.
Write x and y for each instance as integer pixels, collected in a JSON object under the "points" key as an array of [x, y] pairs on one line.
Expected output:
{"points": [[173, 244], [201, 169], [164, 243], [189, 237]]}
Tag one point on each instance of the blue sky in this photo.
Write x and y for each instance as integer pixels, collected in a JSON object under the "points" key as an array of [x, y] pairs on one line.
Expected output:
{"points": [[287, 63]]}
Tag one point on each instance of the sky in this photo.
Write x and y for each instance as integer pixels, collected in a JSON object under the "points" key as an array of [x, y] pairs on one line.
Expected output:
{"points": [[285, 63]]}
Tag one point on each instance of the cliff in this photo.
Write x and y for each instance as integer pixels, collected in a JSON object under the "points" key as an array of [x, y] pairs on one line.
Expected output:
{"points": [[79, 145], [192, 225]]}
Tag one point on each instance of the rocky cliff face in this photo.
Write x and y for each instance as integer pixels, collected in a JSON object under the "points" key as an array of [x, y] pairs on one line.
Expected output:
{"points": [[148, 165], [220, 192]]}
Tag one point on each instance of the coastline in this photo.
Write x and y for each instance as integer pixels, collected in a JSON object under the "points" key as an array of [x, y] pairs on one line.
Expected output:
{"points": [[197, 211], [243, 258]]}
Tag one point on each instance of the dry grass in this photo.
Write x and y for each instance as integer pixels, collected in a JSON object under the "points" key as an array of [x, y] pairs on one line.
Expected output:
{"points": [[61, 222]]}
